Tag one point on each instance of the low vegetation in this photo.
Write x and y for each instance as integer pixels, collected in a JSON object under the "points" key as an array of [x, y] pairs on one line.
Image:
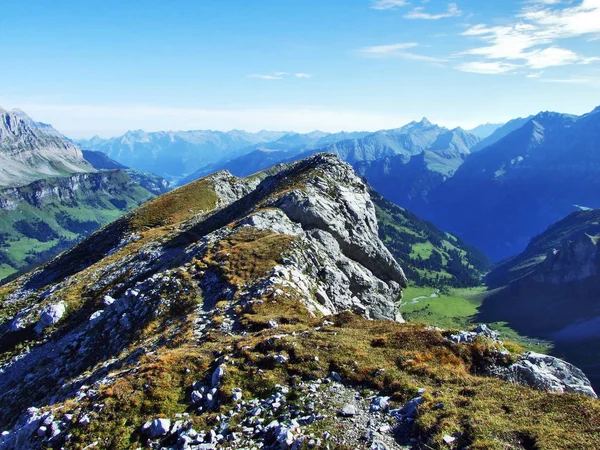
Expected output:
{"points": [[176, 205]]}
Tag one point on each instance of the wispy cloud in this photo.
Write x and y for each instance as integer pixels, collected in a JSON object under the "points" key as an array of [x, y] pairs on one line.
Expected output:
{"points": [[535, 74], [388, 4], [265, 77], [531, 42], [419, 13], [279, 75], [398, 50], [486, 67], [592, 81]]}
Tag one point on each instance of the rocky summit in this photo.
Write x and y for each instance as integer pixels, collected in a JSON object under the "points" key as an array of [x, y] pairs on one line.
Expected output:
{"points": [[261, 313]]}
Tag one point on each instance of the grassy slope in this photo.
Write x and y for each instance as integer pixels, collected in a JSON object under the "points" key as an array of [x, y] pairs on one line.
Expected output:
{"points": [[92, 208]]}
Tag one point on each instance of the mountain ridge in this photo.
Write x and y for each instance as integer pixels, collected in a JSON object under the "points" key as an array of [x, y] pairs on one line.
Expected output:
{"points": [[249, 299]]}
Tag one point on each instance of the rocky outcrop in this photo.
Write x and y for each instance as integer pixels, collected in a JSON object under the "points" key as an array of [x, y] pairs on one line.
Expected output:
{"points": [[547, 373], [576, 260], [535, 370]]}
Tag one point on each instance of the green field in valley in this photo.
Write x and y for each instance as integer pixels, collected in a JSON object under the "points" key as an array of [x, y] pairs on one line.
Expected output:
{"points": [[457, 309]]}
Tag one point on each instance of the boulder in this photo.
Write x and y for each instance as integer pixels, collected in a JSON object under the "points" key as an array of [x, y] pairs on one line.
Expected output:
{"points": [[51, 314], [547, 373], [156, 428]]}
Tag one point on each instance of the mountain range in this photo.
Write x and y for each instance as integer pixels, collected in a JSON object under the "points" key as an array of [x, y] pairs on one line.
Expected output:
{"points": [[512, 190], [173, 154], [402, 163]]}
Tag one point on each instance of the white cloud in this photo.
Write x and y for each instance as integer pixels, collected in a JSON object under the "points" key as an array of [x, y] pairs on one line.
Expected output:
{"points": [[554, 56], [486, 67], [387, 50], [279, 75], [266, 77], [531, 42], [592, 81], [534, 74], [397, 51], [388, 4], [419, 13]]}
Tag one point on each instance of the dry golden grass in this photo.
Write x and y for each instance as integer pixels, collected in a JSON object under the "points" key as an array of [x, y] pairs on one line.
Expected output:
{"points": [[247, 255], [176, 206]]}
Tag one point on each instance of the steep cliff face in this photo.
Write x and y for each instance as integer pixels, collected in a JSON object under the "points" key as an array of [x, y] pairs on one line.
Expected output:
{"points": [[233, 313], [31, 151], [576, 260]]}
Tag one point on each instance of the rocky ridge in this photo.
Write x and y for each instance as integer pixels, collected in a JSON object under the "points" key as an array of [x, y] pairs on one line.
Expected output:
{"points": [[234, 313]]}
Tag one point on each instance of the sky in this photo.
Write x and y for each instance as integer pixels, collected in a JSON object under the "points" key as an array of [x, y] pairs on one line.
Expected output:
{"points": [[103, 67]]}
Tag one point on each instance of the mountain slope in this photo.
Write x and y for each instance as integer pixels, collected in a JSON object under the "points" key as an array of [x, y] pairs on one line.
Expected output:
{"points": [[173, 154], [46, 217], [500, 132], [429, 256], [512, 190], [218, 315], [551, 290], [485, 130], [32, 150]]}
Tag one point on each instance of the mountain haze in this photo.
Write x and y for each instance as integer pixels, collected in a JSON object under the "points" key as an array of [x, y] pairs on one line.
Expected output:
{"points": [[173, 154]]}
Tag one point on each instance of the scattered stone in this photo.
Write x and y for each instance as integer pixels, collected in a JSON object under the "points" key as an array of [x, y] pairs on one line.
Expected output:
{"points": [[85, 420], [348, 410], [410, 409], [380, 404], [448, 439], [157, 428], [96, 315], [217, 375], [280, 359], [335, 377], [51, 314]]}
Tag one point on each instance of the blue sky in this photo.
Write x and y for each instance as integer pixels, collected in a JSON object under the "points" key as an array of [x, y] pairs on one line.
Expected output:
{"points": [[102, 67]]}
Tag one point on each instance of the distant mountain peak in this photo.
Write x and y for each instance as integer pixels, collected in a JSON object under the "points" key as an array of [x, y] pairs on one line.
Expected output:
{"points": [[33, 150]]}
